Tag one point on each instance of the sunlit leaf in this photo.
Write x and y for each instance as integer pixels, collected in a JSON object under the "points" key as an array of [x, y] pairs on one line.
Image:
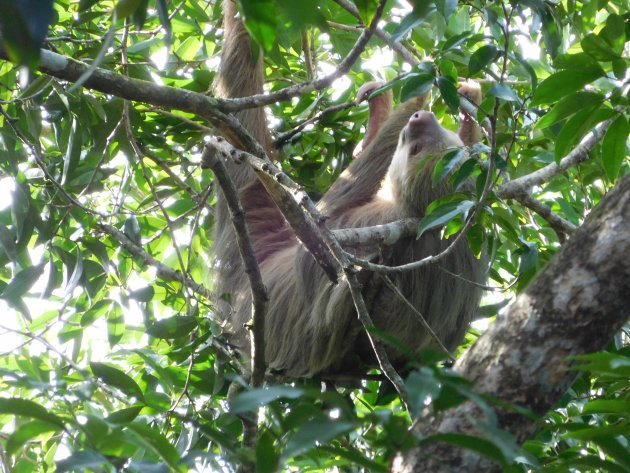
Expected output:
{"points": [[81, 460], [173, 327], [255, 398], [481, 58], [22, 282], [440, 215], [568, 106], [116, 378], [30, 409], [502, 91], [562, 83], [614, 147]]}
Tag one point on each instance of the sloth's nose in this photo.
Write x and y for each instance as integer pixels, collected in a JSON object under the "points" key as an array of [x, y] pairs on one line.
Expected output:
{"points": [[422, 120]]}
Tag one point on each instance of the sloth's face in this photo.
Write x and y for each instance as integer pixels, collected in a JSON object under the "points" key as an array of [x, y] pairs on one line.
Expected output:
{"points": [[423, 137]]}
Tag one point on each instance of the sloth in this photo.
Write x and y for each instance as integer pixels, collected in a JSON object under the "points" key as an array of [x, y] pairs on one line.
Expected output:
{"points": [[311, 325]]}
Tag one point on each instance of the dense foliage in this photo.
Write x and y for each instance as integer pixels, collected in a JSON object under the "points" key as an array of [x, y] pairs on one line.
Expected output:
{"points": [[110, 363]]}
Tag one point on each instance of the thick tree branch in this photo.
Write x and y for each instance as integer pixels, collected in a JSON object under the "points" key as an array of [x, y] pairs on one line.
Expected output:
{"points": [[288, 202], [573, 307], [560, 225], [260, 100], [385, 234], [522, 185]]}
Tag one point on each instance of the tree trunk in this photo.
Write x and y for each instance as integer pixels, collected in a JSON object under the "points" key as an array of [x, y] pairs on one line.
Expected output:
{"points": [[573, 307]]}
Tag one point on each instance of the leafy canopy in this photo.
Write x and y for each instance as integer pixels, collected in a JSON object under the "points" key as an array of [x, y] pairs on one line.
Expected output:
{"points": [[111, 361]]}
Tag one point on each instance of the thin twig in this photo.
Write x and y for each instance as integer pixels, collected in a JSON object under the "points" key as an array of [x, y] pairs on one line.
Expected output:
{"points": [[260, 100], [418, 316], [382, 34], [288, 197], [163, 271], [515, 187]]}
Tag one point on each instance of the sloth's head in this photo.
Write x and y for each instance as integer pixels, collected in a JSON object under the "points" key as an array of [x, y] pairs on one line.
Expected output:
{"points": [[423, 137]]}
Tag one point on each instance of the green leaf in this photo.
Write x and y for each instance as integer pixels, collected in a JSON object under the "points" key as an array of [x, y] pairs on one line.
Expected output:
{"points": [[313, 432], [307, 12], [87, 4], [595, 432], [576, 127], [577, 62], [422, 387], [608, 406], [116, 378], [446, 164], [132, 230], [125, 8], [568, 106], [26, 408], [7, 242], [504, 92], [54, 279], [252, 400], [28, 431], [115, 324], [366, 8], [615, 449], [560, 84], [173, 327], [24, 25], [411, 20], [124, 416], [416, 85], [155, 441], [614, 149], [261, 20], [620, 67], [73, 152], [448, 90], [22, 282], [442, 214], [481, 58], [267, 457], [77, 272], [139, 15], [165, 21], [528, 257], [99, 309], [596, 47], [527, 66], [81, 461]]}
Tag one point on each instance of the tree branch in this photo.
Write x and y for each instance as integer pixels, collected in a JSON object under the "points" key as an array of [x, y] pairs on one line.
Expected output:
{"points": [[520, 186], [288, 202], [163, 271], [260, 100], [386, 37], [571, 308]]}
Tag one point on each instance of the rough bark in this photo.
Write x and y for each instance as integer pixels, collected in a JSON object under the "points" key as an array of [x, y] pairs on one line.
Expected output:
{"points": [[573, 307]]}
